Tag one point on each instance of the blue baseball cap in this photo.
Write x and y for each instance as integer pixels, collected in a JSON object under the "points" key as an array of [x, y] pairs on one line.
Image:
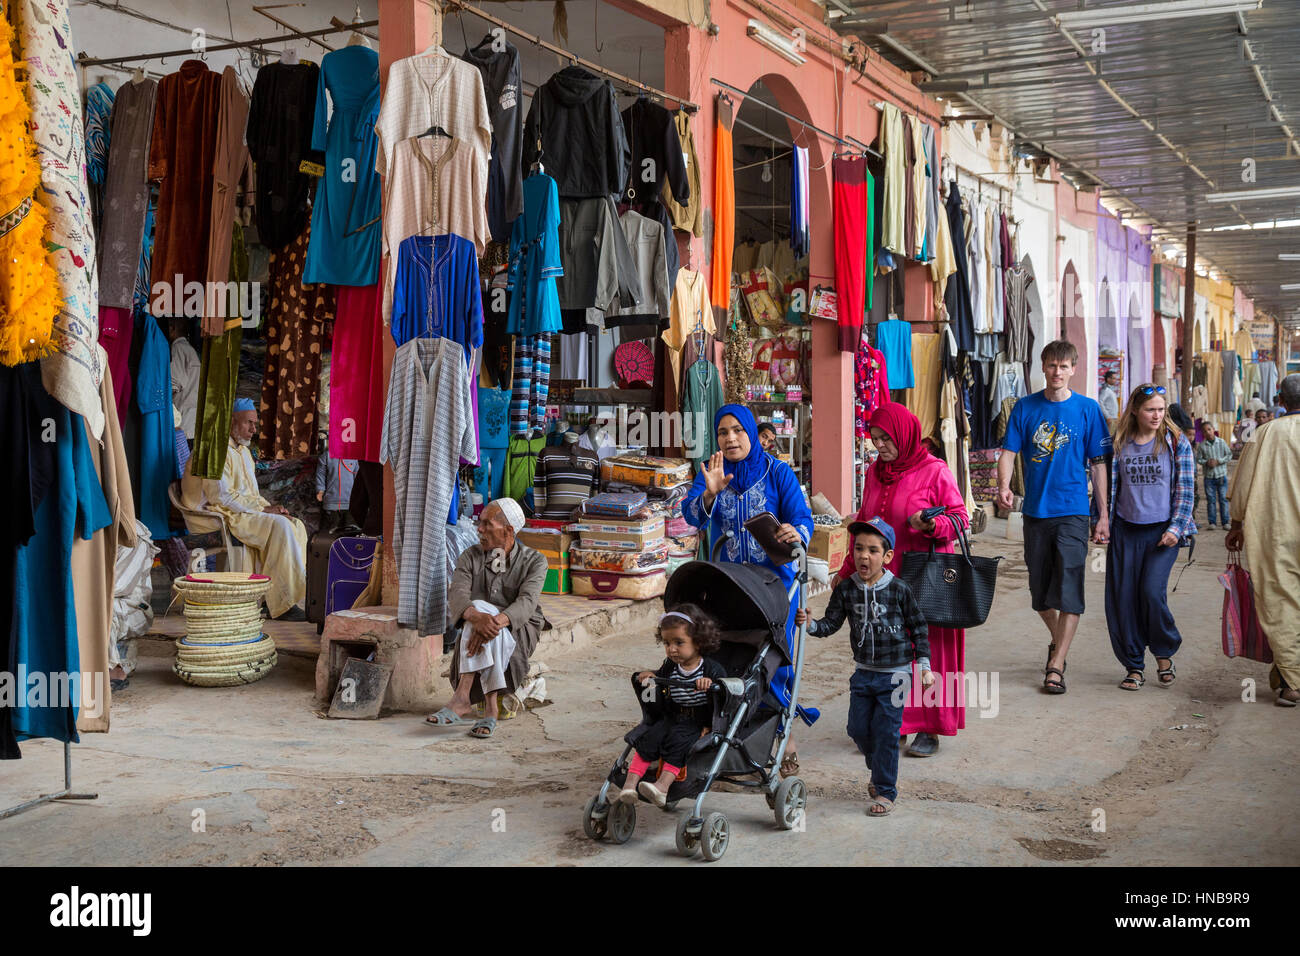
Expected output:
{"points": [[876, 525]]}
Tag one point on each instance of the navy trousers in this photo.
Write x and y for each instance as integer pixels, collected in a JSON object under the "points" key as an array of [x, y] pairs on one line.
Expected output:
{"points": [[1137, 593], [1216, 500], [875, 717]]}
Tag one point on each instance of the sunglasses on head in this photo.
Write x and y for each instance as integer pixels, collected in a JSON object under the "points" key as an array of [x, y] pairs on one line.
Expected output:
{"points": [[1152, 389]]}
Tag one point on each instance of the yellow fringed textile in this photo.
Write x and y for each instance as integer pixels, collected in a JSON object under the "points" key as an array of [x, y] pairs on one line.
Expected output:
{"points": [[29, 283]]}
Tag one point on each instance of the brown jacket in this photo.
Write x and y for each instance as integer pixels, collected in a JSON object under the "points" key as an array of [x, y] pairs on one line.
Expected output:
{"points": [[515, 591]]}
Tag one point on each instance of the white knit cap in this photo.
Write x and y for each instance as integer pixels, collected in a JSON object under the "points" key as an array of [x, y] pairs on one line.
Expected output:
{"points": [[513, 513]]}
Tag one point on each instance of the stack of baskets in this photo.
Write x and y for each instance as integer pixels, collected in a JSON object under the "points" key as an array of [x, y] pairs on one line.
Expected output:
{"points": [[223, 645]]}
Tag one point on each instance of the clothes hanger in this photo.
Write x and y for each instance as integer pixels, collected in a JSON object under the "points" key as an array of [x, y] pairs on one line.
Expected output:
{"points": [[435, 130], [358, 38]]}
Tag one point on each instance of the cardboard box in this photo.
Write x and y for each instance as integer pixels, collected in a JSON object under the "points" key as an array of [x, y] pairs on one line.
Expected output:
{"points": [[557, 581], [830, 545], [552, 545], [619, 535]]}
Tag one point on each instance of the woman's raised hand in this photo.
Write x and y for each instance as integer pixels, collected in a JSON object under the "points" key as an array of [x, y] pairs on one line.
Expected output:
{"points": [[715, 479]]}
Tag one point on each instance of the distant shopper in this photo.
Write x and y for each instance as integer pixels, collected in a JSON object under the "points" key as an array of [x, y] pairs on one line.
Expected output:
{"points": [[1213, 455], [1060, 436], [1255, 404], [1108, 399], [767, 436], [1153, 476], [1265, 500], [887, 632]]}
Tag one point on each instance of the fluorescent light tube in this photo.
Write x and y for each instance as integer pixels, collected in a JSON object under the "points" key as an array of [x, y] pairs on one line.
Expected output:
{"points": [[775, 41], [1249, 195], [1290, 287], [1142, 12], [1289, 256]]}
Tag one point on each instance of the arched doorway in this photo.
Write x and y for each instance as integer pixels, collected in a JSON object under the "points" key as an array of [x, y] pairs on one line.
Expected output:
{"points": [[1073, 326]]}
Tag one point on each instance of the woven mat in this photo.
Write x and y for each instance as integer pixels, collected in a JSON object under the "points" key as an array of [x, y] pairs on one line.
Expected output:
{"points": [[565, 609]]}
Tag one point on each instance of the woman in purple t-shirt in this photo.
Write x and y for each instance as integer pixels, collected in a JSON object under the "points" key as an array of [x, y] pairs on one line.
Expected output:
{"points": [[1153, 476]]}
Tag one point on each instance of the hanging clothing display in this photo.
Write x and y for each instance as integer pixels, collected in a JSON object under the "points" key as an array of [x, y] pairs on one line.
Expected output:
{"points": [[922, 400], [574, 116], [279, 134], [296, 322], [1267, 381], [911, 194], [428, 428], [98, 129], [656, 153], [218, 379], [116, 329], [701, 398], [870, 386], [535, 264], [521, 466], [930, 245], [181, 155], [853, 198], [1020, 334], [73, 371], [344, 248], [799, 203], [895, 186], [231, 171], [531, 383], [689, 315], [686, 212], [498, 63], [646, 243], [724, 210], [29, 281], [437, 294], [977, 263], [153, 395], [185, 366], [493, 440], [608, 279], [436, 186], [957, 298], [126, 195], [44, 623], [356, 376], [894, 339]]}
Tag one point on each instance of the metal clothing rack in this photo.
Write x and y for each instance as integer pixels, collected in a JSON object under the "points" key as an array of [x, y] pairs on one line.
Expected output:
{"points": [[64, 794], [853, 144], [457, 7], [189, 53]]}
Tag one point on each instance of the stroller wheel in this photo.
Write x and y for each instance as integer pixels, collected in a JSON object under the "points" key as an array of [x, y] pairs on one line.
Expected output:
{"points": [[622, 821], [687, 843], [789, 803], [715, 836], [595, 826]]}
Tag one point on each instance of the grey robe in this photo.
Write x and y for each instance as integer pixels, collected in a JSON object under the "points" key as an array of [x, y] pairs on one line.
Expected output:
{"points": [[126, 193], [516, 591]]}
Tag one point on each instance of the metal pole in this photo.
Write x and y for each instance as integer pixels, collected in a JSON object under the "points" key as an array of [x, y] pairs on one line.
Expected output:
{"points": [[1189, 318], [64, 794]]}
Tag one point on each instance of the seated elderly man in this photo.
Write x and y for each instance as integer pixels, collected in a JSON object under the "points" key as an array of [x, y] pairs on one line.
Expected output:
{"points": [[493, 595], [277, 541]]}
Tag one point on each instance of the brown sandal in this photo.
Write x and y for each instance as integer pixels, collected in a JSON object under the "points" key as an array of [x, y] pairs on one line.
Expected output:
{"points": [[1054, 686], [886, 807], [789, 765]]}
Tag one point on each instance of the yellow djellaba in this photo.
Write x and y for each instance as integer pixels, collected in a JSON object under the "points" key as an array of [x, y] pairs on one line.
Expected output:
{"points": [[29, 284]]}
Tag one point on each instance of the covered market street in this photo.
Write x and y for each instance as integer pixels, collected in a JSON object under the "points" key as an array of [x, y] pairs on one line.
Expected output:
{"points": [[1190, 776]]}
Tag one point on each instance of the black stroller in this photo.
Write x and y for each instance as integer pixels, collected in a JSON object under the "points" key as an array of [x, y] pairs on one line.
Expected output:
{"points": [[750, 724]]}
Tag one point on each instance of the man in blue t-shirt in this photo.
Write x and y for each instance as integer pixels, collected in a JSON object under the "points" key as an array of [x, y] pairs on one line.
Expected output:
{"points": [[1060, 437]]}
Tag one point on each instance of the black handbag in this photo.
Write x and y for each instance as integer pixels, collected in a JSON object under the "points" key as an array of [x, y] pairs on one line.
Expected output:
{"points": [[953, 590]]}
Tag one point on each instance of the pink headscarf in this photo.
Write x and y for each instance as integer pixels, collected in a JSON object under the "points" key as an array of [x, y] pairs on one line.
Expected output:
{"points": [[904, 428]]}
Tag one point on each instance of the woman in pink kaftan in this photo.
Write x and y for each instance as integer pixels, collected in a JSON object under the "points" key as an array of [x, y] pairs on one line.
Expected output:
{"points": [[904, 481]]}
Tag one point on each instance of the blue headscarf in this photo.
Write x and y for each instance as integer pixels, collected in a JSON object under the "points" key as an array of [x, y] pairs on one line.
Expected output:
{"points": [[743, 473]]}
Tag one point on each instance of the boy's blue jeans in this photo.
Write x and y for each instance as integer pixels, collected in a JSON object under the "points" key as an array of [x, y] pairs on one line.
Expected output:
{"points": [[875, 717], [1216, 500]]}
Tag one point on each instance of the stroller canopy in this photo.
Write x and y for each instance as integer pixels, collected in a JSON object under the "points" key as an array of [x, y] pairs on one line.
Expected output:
{"points": [[740, 597]]}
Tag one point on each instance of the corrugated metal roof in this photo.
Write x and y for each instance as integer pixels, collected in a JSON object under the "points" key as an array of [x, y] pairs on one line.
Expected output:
{"points": [[1161, 112]]}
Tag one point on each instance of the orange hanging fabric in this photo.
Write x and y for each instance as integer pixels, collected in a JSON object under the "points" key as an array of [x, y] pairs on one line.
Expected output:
{"points": [[724, 214]]}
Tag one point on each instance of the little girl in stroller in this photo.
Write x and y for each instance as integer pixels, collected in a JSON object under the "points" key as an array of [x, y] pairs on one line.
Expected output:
{"points": [[677, 699]]}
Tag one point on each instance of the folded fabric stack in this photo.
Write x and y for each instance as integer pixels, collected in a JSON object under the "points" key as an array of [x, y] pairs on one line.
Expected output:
{"points": [[984, 474], [223, 644]]}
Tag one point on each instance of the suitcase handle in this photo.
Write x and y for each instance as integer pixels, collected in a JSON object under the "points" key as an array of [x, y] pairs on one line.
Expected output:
{"points": [[604, 584]]}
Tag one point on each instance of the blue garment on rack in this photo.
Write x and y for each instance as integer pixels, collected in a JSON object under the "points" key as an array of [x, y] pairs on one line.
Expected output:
{"points": [[894, 339], [45, 618], [535, 261], [153, 396], [344, 245], [457, 301], [799, 202]]}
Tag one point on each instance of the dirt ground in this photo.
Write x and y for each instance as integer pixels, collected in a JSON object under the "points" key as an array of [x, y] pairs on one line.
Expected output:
{"points": [[1201, 773]]}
